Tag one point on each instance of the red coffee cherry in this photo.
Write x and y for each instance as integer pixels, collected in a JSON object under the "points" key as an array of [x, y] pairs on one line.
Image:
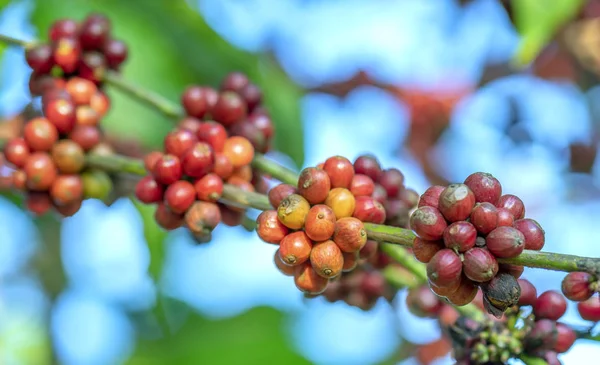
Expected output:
{"points": [[485, 187], [209, 187], [397, 212], [66, 189], [533, 232], [252, 96], [115, 52], [295, 248], [199, 160], [19, 180], [590, 309], [179, 141], [63, 28], [505, 218], [551, 305], [92, 66], [465, 293], [167, 170], [513, 204], [505, 242], [362, 185], [368, 165], [528, 293], [445, 268], [280, 192], [392, 181], [86, 136], [350, 261], [460, 236], [66, 54], [484, 217], [263, 123], [326, 259], [94, 32], [379, 194], [40, 170], [81, 90], [515, 270], [320, 223], [151, 159], [40, 134], [40, 58], [340, 171], [16, 151], [69, 210], [201, 219], [86, 115], [369, 250], [281, 266], [431, 196], [269, 228], [190, 123], [423, 303], [308, 280], [252, 134], [38, 203], [543, 336], [350, 234], [167, 219], [212, 133], [223, 167], [179, 196], [198, 100], [234, 81], [369, 210], [100, 103], [565, 339], [428, 223], [456, 202], [576, 286], [230, 108], [148, 191], [424, 250], [314, 185], [239, 151], [479, 265]]}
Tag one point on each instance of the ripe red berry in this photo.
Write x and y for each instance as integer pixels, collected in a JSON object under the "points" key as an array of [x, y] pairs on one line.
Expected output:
{"points": [[428, 223], [43, 83], [326, 259], [209, 187], [424, 250], [565, 339], [460, 236], [38, 203], [16, 151], [445, 268], [252, 134], [280, 192], [513, 204], [148, 191], [151, 159], [368, 165], [423, 303], [484, 217], [281, 266], [234, 81], [179, 141], [66, 189], [269, 228], [369, 210], [505, 242], [190, 123], [94, 32], [202, 218], [229, 108], [528, 293], [533, 232], [314, 185], [590, 309], [456, 202], [308, 281], [340, 171], [63, 28], [505, 218], [62, 113], [515, 270], [199, 160], [239, 151], [464, 294], [212, 133], [362, 185], [167, 170], [397, 212], [295, 248], [100, 103], [81, 90], [551, 305], [263, 123], [179, 196], [92, 66], [86, 115], [223, 166], [379, 194], [252, 96], [167, 219], [576, 286], [40, 134], [485, 187], [543, 336], [431, 196], [198, 100], [350, 234], [115, 52], [19, 180], [40, 58], [320, 223], [350, 261], [69, 210], [410, 197], [392, 181], [40, 170], [480, 265], [66, 54], [369, 250]]}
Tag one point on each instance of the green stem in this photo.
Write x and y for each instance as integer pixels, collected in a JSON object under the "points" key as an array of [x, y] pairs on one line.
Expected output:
{"points": [[532, 360], [15, 42], [406, 259], [274, 170]]}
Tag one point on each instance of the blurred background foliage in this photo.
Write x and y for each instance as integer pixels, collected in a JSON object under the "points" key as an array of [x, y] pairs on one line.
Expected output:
{"points": [[177, 43]]}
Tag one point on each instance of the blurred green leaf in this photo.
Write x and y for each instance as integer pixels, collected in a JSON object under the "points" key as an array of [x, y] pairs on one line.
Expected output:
{"points": [[155, 238], [172, 46], [537, 22], [253, 338]]}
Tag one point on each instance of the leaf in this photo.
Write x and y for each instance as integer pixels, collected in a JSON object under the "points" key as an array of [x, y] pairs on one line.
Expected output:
{"points": [[155, 237], [253, 338], [538, 21]]}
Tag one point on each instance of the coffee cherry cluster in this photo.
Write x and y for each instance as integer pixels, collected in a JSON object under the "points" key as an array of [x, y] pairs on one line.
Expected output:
{"points": [[186, 180], [84, 49], [462, 229], [49, 158], [582, 287]]}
